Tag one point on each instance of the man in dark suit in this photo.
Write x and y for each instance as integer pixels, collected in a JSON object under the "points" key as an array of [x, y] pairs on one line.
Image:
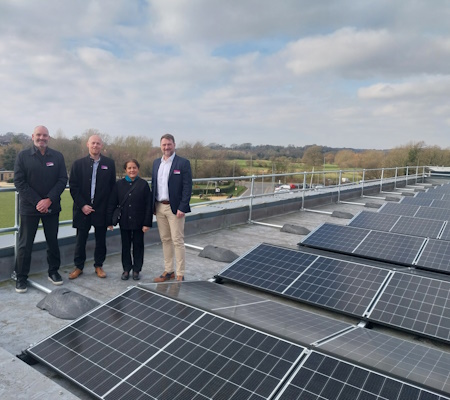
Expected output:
{"points": [[40, 177], [172, 189], [91, 181]]}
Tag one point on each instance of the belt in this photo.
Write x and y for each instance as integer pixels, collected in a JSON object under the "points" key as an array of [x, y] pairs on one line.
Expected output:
{"points": [[164, 202]]}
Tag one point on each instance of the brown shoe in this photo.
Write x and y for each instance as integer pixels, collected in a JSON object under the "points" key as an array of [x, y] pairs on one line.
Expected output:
{"points": [[180, 278], [100, 273], [75, 273], [166, 276]]}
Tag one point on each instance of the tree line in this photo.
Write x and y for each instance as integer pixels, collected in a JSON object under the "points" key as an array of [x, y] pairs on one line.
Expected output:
{"points": [[215, 160]]}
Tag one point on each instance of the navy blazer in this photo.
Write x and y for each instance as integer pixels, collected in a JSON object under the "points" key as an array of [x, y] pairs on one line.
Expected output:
{"points": [[80, 189], [180, 183]]}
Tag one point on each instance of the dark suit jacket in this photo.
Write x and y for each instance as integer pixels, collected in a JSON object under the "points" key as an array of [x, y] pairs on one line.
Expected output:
{"points": [[180, 183], [38, 177], [80, 188]]}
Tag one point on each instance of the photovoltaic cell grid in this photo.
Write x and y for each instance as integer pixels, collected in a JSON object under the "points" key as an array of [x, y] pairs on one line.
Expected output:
{"points": [[339, 285], [302, 326], [440, 214], [269, 267], [440, 204], [403, 359], [415, 303], [390, 247], [435, 256], [142, 345], [431, 194], [409, 361], [374, 220], [385, 246], [399, 209], [327, 378], [335, 237], [421, 227], [397, 224], [417, 201]]}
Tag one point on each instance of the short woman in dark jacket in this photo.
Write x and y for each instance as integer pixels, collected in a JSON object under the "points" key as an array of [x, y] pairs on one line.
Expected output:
{"points": [[136, 217]]}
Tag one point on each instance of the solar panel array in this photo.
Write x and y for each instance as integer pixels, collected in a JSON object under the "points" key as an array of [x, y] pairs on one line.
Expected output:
{"points": [[398, 224], [412, 361], [302, 326], [430, 254], [327, 378], [415, 303], [401, 358], [396, 299], [144, 345]]}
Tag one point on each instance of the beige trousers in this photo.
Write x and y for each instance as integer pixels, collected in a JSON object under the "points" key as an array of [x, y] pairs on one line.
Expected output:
{"points": [[171, 232]]}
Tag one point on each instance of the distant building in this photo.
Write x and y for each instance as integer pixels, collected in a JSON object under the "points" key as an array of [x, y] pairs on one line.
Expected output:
{"points": [[5, 176]]}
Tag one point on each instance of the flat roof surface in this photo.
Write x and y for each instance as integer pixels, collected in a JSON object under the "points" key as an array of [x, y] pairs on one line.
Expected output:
{"points": [[23, 323]]}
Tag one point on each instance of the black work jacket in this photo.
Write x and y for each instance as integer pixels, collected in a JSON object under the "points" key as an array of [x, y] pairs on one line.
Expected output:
{"points": [[137, 210], [80, 188], [38, 177]]}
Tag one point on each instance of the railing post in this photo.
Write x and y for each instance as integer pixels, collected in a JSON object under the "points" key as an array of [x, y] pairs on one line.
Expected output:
{"points": [[304, 188], [407, 174], [381, 180], [251, 199], [339, 186], [395, 179], [362, 183]]}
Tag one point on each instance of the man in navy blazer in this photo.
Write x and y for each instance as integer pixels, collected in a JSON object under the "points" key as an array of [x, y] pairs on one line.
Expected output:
{"points": [[172, 189], [91, 181]]}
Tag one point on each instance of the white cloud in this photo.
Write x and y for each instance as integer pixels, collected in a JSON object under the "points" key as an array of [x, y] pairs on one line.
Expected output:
{"points": [[332, 73]]}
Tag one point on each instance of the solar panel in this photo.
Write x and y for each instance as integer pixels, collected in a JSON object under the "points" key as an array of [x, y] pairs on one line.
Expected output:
{"points": [[435, 256], [327, 378], [302, 326], [440, 214], [406, 360], [421, 227], [340, 285], [415, 303], [441, 204], [143, 345], [431, 194], [402, 224], [417, 201], [374, 220], [269, 267], [335, 237], [399, 209], [390, 247]]}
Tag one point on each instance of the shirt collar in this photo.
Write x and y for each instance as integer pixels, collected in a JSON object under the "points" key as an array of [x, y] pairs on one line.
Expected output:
{"points": [[169, 159]]}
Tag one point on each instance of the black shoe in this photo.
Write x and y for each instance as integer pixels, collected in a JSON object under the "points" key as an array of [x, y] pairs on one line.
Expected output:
{"points": [[136, 276], [125, 275], [21, 286], [55, 278]]}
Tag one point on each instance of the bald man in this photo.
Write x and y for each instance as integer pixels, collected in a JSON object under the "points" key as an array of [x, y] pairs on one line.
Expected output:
{"points": [[40, 177], [91, 180]]}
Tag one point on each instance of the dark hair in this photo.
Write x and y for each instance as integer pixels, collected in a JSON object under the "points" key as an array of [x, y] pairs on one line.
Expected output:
{"points": [[167, 136], [133, 161]]}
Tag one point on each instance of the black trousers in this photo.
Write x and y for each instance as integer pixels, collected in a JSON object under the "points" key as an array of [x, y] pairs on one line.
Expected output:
{"points": [[132, 239], [27, 233], [100, 246]]}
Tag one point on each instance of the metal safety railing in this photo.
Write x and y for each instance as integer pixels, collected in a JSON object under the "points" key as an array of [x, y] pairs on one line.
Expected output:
{"points": [[264, 185]]}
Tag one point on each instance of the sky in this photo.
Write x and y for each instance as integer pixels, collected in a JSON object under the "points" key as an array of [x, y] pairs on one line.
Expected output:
{"points": [[340, 73]]}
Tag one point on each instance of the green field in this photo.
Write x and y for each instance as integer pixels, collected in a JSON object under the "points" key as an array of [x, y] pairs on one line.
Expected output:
{"points": [[7, 208]]}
